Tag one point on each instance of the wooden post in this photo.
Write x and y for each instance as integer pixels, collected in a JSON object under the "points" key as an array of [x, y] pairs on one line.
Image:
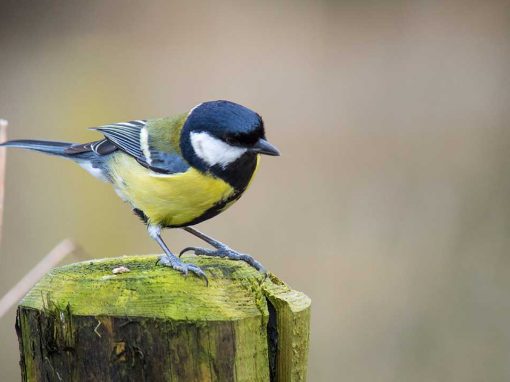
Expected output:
{"points": [[126, 319]]}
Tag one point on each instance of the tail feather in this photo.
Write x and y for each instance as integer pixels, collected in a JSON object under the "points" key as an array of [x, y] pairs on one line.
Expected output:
{"points": [[48, 147], [81, 154]]}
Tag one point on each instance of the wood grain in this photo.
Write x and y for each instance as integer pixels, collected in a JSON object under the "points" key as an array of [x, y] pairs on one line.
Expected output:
{"points": [[84, 322]]}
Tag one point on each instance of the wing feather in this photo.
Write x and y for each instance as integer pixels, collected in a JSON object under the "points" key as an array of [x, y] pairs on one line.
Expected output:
{"points": [[127, 137]]}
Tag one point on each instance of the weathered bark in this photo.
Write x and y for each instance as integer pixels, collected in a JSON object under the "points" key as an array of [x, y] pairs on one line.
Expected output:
{"points": [[83, 322]]}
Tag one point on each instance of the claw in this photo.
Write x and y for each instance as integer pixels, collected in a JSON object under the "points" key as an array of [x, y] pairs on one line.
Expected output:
{"points": [[228, 253], [184, 268], [186, 250]]}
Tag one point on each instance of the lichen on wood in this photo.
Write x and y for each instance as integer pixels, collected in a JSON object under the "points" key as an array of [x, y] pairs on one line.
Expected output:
{"points": [[85, 322]]}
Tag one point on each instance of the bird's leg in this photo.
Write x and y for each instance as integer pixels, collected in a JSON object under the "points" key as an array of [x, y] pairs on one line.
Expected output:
{"points": [[221, 250], [169, 259]]}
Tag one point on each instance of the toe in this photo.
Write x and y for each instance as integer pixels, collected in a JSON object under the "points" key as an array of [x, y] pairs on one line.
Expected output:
{"points": [[187, 249], [163, 260], [199, 272], [198, 251]]}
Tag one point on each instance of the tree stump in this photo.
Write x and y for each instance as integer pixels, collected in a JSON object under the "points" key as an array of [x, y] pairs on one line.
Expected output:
{"points": [[126, 319]]}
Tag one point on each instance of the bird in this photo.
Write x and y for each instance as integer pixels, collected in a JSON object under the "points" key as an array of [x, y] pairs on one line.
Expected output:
{"points": [[175, 172]]}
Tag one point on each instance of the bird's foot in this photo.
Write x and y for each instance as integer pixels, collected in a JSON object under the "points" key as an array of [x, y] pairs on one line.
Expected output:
{"points": [[177, 264], [224, 251]]}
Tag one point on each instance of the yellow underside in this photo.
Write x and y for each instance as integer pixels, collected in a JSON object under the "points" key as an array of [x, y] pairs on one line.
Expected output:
{"points": [[175, 199]]}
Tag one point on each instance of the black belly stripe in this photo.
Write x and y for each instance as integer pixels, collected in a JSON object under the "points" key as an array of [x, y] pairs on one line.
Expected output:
{"points": [[238, 175], [211, 212]]}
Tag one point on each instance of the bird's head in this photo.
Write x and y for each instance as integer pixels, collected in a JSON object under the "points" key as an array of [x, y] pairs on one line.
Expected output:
{"points": [[219, 133]]}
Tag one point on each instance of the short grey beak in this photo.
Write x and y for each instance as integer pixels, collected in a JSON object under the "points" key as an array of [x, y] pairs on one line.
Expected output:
{"points": [[264, 147]]}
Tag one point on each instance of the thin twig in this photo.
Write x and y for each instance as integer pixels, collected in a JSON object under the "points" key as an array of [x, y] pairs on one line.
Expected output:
{"points": [[56, 255], [3, 138]]}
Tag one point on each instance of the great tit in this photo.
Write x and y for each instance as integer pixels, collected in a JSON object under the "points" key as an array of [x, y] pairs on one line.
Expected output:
{"points": [[177, 171]]}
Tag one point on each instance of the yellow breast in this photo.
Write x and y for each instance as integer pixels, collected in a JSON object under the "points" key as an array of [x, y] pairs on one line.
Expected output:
{"points": [[168, 200]]}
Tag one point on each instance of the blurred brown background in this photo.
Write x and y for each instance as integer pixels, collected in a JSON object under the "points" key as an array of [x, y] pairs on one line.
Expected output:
{"points": [[389, 206]]}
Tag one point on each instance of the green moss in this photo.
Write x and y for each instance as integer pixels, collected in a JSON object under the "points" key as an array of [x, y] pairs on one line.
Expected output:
{"points": [[125, 321], [150, 290], [28, 367], [293, 327]]}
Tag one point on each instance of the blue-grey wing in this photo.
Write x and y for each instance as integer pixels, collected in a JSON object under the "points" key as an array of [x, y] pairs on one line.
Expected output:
{"points": [[129, 138], [168, 162], [126, 136]]}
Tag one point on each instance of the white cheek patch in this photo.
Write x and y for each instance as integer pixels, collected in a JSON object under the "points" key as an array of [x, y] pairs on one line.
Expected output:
{"points": [[214, 151]]}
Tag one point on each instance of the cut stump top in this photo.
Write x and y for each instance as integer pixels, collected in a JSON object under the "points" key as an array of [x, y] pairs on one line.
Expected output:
{"points": [[92, 288], [113, 319]]}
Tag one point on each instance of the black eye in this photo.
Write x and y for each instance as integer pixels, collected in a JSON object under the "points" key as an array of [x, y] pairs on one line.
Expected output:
{"points": [[231, 140]]}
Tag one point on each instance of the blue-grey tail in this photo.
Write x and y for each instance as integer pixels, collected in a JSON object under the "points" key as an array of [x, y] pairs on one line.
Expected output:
{"points": [[48, 147], [91, 156]]}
